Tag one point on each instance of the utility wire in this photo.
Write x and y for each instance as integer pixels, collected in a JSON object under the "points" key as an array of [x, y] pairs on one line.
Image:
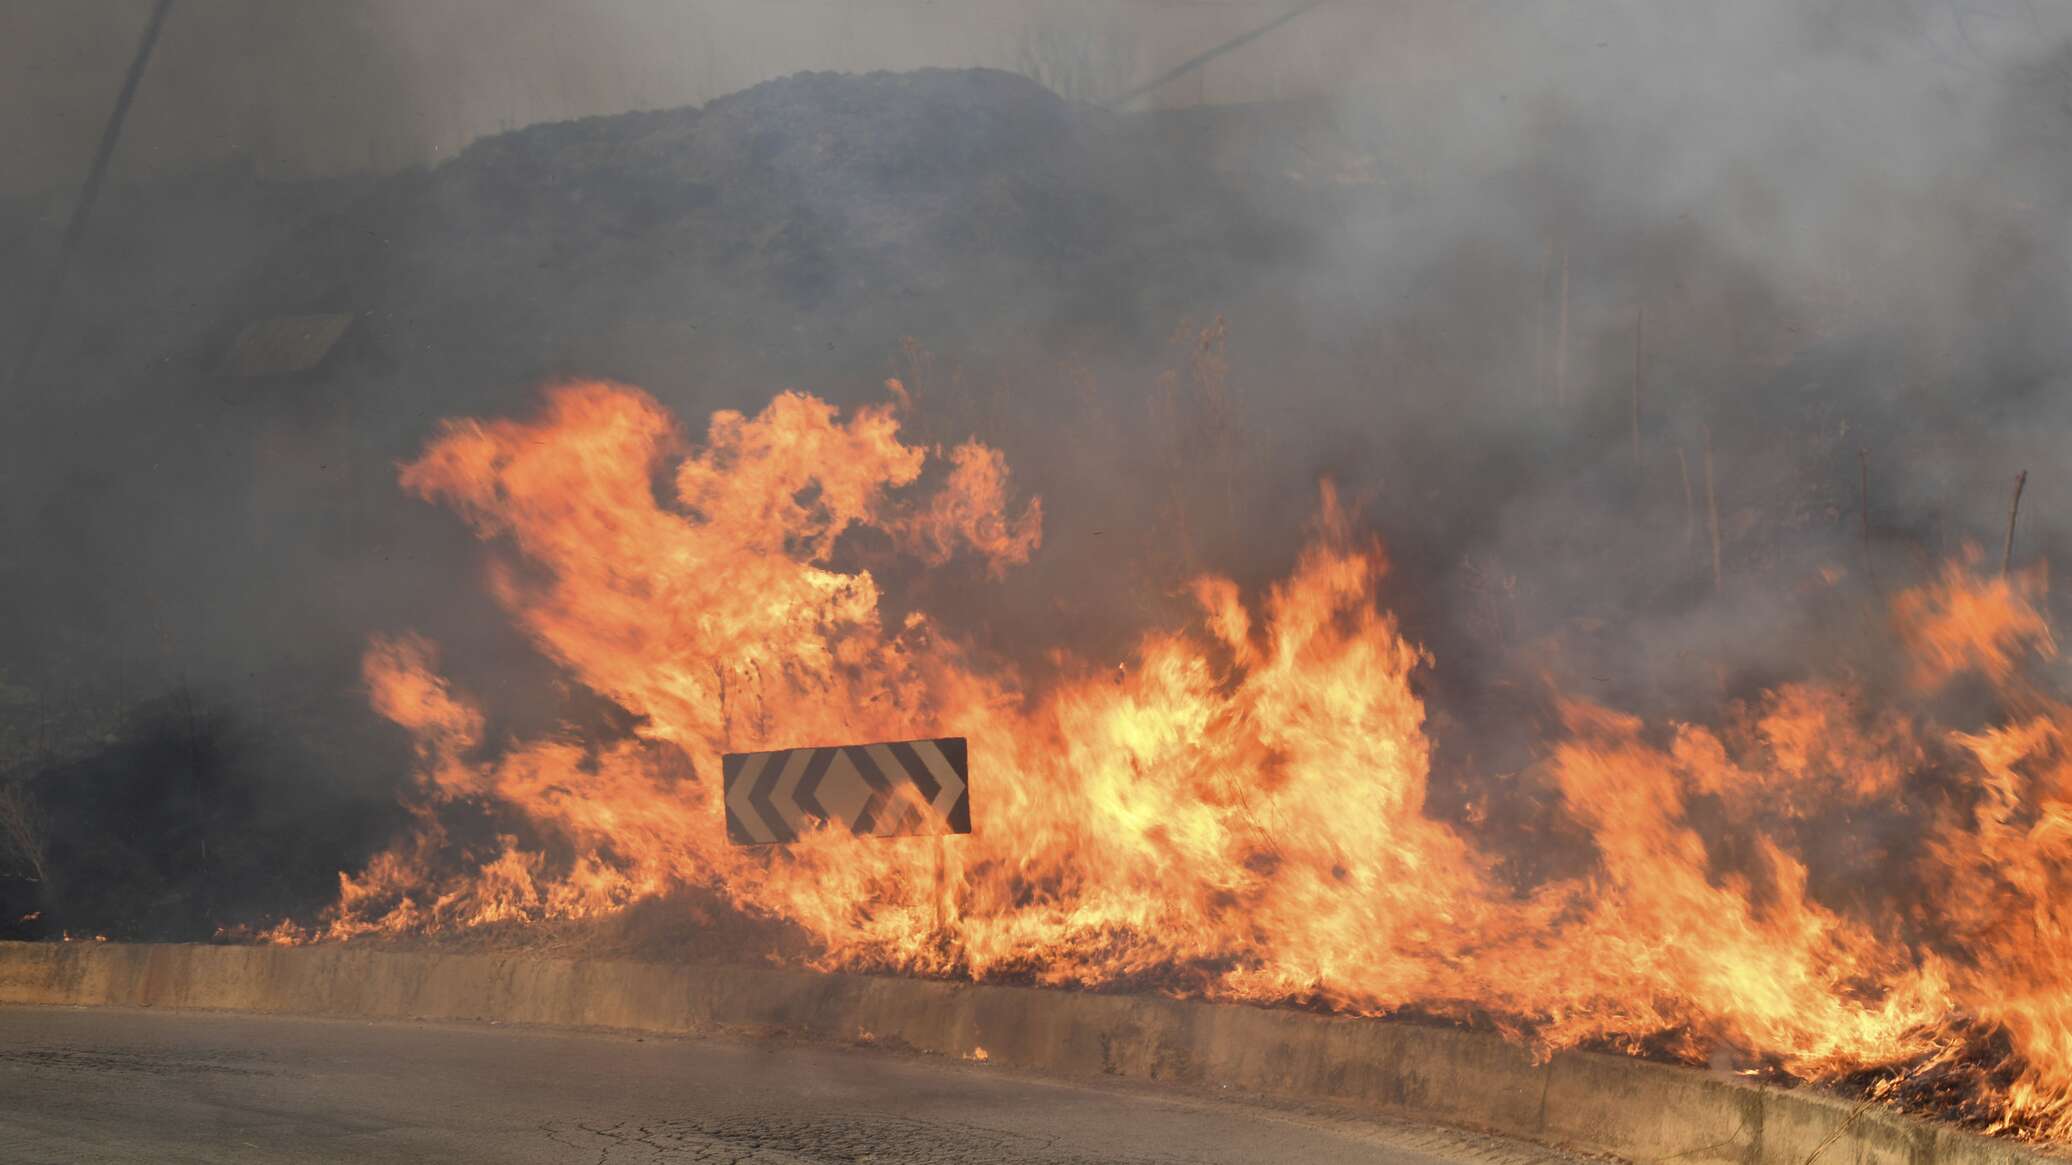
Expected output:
{"points": [[1197, 61], [88, 194]]}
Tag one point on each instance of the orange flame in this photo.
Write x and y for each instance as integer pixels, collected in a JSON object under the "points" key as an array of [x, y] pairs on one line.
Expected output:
{"points": [[1240, 812]]}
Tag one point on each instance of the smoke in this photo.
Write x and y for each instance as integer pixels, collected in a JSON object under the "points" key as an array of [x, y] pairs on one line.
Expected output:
{"points": [[1833, 230], [1512, 276]]}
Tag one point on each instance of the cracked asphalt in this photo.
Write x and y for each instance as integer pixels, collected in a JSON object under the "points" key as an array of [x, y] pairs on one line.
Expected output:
{"points": [[92, 1085]]}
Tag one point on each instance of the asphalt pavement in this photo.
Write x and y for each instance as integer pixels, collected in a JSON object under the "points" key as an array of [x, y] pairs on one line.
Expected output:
{"points": [[105, 1084]]}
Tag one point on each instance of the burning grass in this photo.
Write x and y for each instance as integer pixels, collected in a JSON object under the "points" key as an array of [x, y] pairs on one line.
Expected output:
{"points": [[1239, 811]]}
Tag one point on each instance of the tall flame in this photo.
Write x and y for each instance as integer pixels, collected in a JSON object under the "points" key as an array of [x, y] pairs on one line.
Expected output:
{"points": [[1239, 812]]}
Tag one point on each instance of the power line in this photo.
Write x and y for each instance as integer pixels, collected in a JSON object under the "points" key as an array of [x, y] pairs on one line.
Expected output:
{"points": [[1198, 60], [75, 229]]}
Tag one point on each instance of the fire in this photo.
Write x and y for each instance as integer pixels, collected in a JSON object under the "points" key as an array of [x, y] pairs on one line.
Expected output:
{"points": [[1238, 812]]}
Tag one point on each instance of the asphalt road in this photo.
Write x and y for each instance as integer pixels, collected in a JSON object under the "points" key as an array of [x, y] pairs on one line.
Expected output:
{"points": [[81, 1085]]}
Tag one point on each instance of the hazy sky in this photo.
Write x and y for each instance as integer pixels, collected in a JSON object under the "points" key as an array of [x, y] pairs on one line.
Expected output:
{"points": [[341, 86]]}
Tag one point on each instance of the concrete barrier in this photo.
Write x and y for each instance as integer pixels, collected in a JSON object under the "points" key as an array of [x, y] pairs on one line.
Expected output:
{"points": [[1603, 1104]]}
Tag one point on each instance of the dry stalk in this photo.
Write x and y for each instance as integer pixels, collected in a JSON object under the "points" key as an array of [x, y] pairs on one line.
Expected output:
{"points": [[1863, 513], [726, 715], [2014, 507], [942, 893], [1561, 340], [1863, 500], [1539, 326], [21, 828], [762, 706], [1683, 466], [1712, 511], [1199, 433], [1211, 374], [1835, 1134], [1640, 321]]}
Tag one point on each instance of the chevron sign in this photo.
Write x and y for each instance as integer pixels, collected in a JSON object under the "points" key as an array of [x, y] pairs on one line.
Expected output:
{"points": [[899, 789]]}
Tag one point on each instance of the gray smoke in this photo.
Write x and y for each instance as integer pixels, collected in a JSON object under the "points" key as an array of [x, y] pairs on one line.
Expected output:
{"points": [[1835, 230]]}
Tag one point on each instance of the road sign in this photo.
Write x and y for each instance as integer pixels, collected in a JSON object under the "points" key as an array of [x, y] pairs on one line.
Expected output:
{"points": [[899, 789]]}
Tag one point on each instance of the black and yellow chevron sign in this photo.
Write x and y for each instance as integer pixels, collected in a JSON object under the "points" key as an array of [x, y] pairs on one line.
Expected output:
{"points": [[900, 789]]}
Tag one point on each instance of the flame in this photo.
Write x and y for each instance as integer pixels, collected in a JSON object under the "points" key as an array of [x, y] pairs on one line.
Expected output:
{"points": [[1238, 812], [1961, 623]]}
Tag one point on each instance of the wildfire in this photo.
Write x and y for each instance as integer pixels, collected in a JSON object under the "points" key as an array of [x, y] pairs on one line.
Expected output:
{"points": [[1240, 811]]}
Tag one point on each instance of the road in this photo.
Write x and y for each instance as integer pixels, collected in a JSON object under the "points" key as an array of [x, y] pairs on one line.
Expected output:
{"points": [[88, 1085]]}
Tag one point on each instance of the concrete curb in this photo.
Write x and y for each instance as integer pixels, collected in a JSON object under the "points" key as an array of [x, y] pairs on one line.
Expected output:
{"points": [[1606, 1104]]}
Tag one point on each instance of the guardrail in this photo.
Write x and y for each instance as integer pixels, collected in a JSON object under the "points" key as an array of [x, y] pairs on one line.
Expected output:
{"points": [[1606, 1104]]}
